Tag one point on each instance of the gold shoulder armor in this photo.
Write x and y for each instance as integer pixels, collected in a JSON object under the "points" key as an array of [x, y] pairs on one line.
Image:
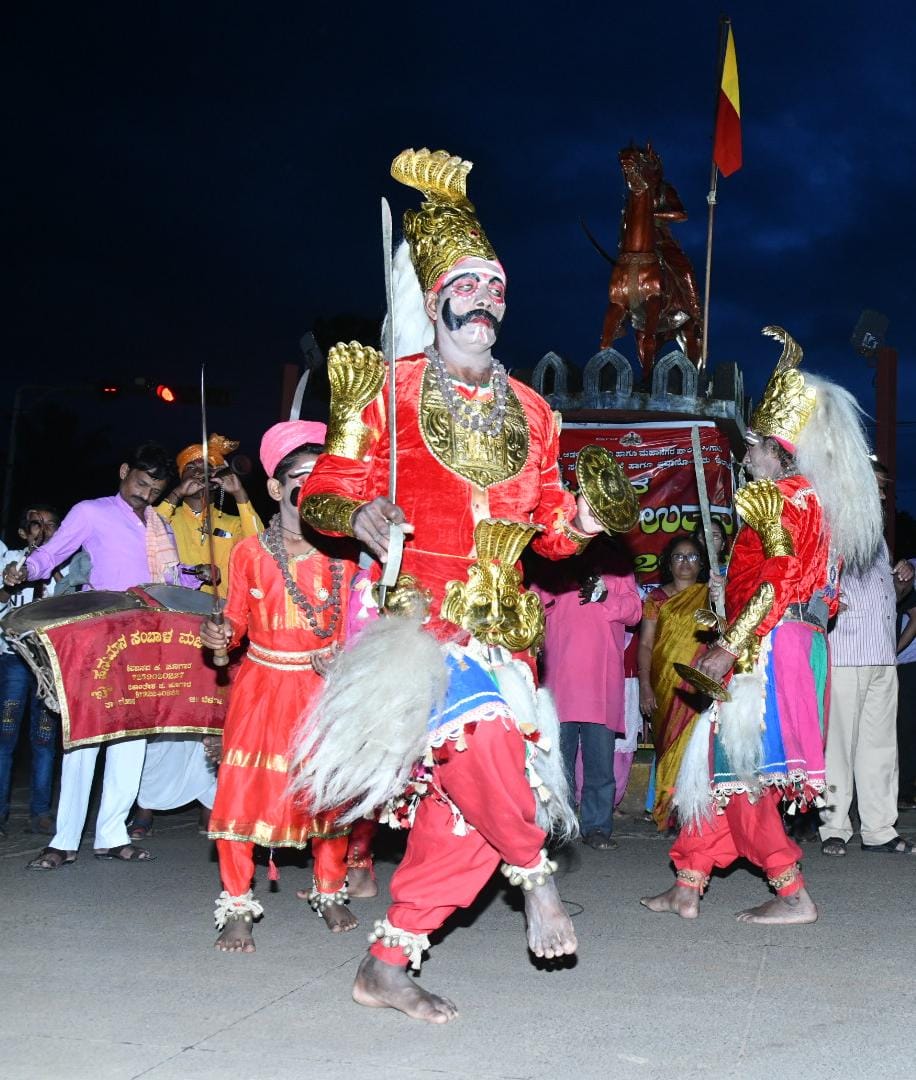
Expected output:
{"points": [[357, 374], [760, 504]]}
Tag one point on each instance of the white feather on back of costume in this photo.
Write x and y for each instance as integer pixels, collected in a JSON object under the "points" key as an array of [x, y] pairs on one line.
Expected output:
{"points": [[369, 726], [413, 330], [832, 452]]}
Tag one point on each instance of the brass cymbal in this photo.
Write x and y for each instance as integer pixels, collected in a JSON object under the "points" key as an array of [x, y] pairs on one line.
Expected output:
{"points": [[604, 486], [702, 682]]}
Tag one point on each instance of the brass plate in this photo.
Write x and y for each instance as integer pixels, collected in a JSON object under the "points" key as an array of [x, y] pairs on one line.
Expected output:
{"points": [[602, 483], [702, 682]]}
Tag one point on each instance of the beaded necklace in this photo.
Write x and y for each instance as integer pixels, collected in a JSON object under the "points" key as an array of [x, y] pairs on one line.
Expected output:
{"points": [[272, 539], [460, 409]]}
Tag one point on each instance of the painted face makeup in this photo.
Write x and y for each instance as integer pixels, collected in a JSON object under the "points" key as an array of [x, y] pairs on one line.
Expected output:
{"points": [[474, 299]]}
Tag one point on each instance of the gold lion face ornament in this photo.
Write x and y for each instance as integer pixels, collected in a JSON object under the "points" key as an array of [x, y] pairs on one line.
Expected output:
{"points": [[491, 604]]}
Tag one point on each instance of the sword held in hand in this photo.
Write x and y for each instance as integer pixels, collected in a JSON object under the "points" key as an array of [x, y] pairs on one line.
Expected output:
{"points": [[392, 564], [220, 656]]}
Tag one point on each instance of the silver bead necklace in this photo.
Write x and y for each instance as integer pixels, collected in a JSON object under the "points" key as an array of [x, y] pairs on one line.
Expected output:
{"points": [[272, 540], [463, 411]]}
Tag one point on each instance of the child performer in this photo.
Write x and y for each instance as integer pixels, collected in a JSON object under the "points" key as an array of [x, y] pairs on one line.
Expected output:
{"points": [[290, 599]]}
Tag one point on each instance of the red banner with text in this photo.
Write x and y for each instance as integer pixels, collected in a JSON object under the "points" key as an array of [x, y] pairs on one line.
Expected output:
{"points": [[658, 462], [134, 673]]}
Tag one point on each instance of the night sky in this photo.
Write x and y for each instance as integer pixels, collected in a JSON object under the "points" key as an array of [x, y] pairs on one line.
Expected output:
{"points": [[200, 182]]}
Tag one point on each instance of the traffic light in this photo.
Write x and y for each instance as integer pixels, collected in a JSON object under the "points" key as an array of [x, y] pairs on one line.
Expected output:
{"points": [[169, 393]]}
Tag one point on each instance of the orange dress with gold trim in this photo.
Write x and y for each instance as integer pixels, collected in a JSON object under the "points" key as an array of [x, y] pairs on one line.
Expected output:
{"points": [[273, 688]]}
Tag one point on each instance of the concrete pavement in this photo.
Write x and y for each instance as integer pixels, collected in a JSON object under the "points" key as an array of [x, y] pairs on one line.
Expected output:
{"points": [[108, 973]]}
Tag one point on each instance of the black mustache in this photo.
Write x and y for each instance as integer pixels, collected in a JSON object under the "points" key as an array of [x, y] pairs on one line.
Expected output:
{"points": [[455, 322]]}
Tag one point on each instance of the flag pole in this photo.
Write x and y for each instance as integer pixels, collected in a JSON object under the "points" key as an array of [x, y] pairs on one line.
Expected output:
{"points": [[724, 24]]}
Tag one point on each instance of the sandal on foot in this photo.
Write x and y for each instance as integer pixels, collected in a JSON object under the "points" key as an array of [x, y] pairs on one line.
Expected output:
{"points": [[42, 824], [897, 845], [125, 853], [51, 858], [600, 841], [139, 830], [833, 845]]}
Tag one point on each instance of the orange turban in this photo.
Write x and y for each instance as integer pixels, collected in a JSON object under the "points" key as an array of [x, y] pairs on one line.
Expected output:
{"points": [[217, 447]]}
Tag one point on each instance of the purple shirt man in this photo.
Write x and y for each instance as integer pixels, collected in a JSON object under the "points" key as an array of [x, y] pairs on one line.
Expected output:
{"points": [[129, 544], [115, 537]]}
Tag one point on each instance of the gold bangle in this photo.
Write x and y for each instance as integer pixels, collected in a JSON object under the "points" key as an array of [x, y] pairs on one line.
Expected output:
{"points": [[330, 513], [581, 540]]}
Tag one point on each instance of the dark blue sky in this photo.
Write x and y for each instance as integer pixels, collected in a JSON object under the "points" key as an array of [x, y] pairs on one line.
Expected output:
{"points": [[191, 182]]}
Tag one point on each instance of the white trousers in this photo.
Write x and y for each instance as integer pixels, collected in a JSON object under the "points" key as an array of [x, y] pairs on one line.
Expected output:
{"points": [[176, 772], [123, 765], [862, 753]]}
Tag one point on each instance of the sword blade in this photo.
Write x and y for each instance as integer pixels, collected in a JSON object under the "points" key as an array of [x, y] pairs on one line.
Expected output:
{"points": [[205, 517], [395, 543]]}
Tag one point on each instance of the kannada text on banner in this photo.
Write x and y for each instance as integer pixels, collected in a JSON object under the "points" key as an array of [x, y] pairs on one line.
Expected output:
{"points": [[658, 461], [134, 673]]}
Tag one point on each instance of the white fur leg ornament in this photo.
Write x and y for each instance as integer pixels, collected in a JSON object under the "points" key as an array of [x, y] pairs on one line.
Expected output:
{"points": [[536, 718], [529, 877], [392, 937], [692, 789], [232, 908], [741, 720], [368, 728]]}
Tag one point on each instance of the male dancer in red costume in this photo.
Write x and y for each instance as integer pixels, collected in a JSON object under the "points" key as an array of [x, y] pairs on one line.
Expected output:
{"points": [[473, 444], [812, 505], [290, 599]]}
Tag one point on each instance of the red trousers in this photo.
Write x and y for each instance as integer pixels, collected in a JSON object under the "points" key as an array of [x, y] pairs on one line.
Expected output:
{"points": [[752, 831], [236, 864], [359, 849], [440, 871]]}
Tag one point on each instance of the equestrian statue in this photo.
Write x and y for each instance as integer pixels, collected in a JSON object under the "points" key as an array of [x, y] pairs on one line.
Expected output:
{"points": [[652, 282]]}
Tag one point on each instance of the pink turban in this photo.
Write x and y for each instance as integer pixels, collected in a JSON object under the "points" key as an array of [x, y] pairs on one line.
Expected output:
{"points": [[287, 436]]}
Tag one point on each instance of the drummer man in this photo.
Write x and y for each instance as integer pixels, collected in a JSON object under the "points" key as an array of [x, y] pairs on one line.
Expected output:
{"points": [[128, 544]]}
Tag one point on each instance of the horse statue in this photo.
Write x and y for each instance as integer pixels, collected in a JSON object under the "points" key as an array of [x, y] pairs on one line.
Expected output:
{"points": [[652, 281]]}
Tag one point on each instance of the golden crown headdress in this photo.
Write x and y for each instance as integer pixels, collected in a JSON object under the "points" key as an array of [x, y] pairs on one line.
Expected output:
{"points": [[445, 228], [788, 401]]}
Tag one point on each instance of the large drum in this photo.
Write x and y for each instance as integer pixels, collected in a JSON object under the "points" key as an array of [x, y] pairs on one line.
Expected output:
{"points": [[22, 628], [122, 664]]}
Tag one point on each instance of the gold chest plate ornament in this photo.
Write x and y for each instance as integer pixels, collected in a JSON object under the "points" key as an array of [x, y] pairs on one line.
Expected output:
{"points": [[481, 459]]}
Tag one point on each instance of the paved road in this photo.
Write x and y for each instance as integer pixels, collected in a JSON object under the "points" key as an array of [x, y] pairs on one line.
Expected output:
{"points": [[108, 973]]}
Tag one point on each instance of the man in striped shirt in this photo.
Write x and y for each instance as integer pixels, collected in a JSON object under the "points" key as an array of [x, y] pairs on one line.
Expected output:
{"points": [[862, 734]]}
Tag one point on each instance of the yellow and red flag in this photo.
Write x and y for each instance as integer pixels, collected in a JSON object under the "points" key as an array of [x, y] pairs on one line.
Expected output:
{"points": [[726, 151]]}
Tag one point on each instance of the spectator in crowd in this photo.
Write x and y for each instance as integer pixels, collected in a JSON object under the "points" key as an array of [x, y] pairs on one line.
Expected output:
{"points": [[669, 634], [18, 686], [176, 771], [625, 745], [589, 600], [183, 505], [906, 702], [719, 542], [128, 544], [861, 753]]}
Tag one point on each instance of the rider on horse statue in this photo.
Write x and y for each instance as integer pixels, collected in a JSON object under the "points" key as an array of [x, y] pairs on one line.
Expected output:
{"points": [[653, 281]]}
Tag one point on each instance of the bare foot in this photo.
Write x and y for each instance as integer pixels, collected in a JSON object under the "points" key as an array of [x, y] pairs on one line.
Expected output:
{"points": [[782, 911], [339, 918], [236, 935], [361, 882], [382, 986], [550, 929], [679, 900]]}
